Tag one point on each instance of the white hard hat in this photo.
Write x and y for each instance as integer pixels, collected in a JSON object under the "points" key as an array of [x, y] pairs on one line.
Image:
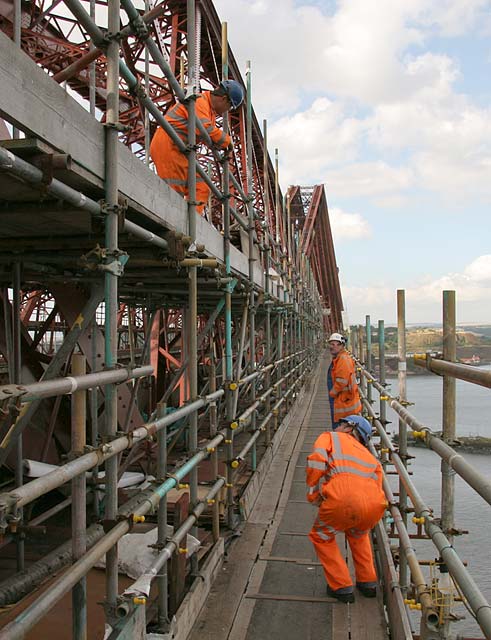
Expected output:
{"points": [[337, 337]]}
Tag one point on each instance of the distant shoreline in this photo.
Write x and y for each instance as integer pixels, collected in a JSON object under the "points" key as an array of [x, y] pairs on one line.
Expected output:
{"points": [[465, 444]]}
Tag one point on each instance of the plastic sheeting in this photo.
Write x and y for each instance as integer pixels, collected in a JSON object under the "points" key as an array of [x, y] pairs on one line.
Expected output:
{"points": [[35, 469], [135, 554]]}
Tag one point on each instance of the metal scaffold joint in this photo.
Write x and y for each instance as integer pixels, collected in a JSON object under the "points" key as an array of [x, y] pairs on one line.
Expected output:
{"points": [[117, 126], [107, 208], [139, 28]]}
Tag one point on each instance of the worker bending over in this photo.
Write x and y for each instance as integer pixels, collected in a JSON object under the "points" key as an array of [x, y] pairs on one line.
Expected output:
{"points": [[170, 162], [345, 481], [344, 398]]}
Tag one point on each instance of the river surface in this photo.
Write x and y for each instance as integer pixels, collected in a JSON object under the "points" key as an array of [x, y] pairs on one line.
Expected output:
{"points": [[472, 513]]}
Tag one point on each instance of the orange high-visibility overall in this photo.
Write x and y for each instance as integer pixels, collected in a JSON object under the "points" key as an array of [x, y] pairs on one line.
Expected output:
{"points": [[348, 479], [345, 389], [171, 164]]}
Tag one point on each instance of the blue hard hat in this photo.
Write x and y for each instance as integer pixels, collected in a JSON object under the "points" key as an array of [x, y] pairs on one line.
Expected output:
{"points": [[362, 426], [234, 91]]}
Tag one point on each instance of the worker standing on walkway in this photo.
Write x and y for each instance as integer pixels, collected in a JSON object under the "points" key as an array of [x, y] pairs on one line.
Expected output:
{"points": [[345, 481], [170, 162], [344, 398]]}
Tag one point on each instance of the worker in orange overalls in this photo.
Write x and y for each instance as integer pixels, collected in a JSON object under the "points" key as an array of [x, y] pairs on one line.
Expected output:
{"points": [[344, 398], [345, 481], [170, 162]]}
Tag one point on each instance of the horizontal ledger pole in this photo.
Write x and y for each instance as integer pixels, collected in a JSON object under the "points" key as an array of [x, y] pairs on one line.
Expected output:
{"points": [[465, 582], [17, 629], [32, 175], [68, 385], [59, 476], [480, 483], [262, 426], [454, 370], [142, 585], [21, 496]]}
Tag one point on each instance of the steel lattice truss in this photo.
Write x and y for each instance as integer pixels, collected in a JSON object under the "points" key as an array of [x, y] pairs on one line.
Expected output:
{"points": [[310, 217], [52, 37]]}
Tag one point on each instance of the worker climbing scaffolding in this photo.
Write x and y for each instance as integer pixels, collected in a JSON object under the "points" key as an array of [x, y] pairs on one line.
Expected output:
{"points": [[171, 164]]}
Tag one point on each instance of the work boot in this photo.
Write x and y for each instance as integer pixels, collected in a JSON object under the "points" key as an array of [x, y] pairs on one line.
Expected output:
{"points": [[368, 592], [346, 596]]}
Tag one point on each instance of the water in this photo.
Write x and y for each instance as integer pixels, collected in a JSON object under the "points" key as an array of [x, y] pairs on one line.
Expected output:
{"points": [[472, 513]]}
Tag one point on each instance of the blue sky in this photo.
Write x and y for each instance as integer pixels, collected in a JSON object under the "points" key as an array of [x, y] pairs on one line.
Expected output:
{"points": [[388, 103]]}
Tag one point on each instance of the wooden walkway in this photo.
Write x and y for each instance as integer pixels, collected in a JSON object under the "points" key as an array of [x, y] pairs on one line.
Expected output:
{"points": [[271, 586]]}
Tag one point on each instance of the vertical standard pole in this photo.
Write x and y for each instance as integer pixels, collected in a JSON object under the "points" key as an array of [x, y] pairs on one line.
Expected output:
{"points": [[368, 326], [18, 42], [288, 227], [193, 272], [277, 198], [163, 617], [382, 379], [92, 67], [267, 295], [361, 351], [79, 500], [228, 304], [94, 423], [354, 342], [252, 301], [381, 360], [147, 89], [213, 432], [448, 418], [111, 290], [363, 380], [17, 379], [449, 434], [181, 72], [279, 324], [401, 357]]}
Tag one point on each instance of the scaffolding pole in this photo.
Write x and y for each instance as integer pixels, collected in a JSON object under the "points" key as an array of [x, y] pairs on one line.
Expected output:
{"points": [[401, 357]]}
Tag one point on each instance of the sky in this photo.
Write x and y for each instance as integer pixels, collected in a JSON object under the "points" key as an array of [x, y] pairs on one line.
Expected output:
{"points": [[388, 104]]}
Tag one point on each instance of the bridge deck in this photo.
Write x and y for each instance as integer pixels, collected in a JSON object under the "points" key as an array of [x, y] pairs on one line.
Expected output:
{"points": [[272, 585]]}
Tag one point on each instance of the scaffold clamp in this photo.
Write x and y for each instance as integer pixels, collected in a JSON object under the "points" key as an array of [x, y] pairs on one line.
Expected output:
{"points": [[114, 267], [139, 28]]}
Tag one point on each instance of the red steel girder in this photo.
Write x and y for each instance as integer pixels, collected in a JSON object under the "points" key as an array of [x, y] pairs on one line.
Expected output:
{"points": [[53, 38], [310, 216]]}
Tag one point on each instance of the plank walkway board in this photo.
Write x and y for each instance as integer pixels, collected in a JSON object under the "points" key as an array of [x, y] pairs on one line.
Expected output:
{"points": [[290, 598], [232, 581], [270, 588], [243, 570], [285, 559]]}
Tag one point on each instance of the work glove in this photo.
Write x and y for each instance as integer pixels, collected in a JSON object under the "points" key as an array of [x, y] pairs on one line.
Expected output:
{"points": [[227, 154]]}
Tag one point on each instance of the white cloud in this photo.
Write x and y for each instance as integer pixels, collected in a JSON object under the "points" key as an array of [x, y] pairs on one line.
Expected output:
{"points": [[424, 298], [374, 56], [348, 226], [480, 270], [452, 18], [357, 52], [360, 96], [368, 179], [311, 140]]}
